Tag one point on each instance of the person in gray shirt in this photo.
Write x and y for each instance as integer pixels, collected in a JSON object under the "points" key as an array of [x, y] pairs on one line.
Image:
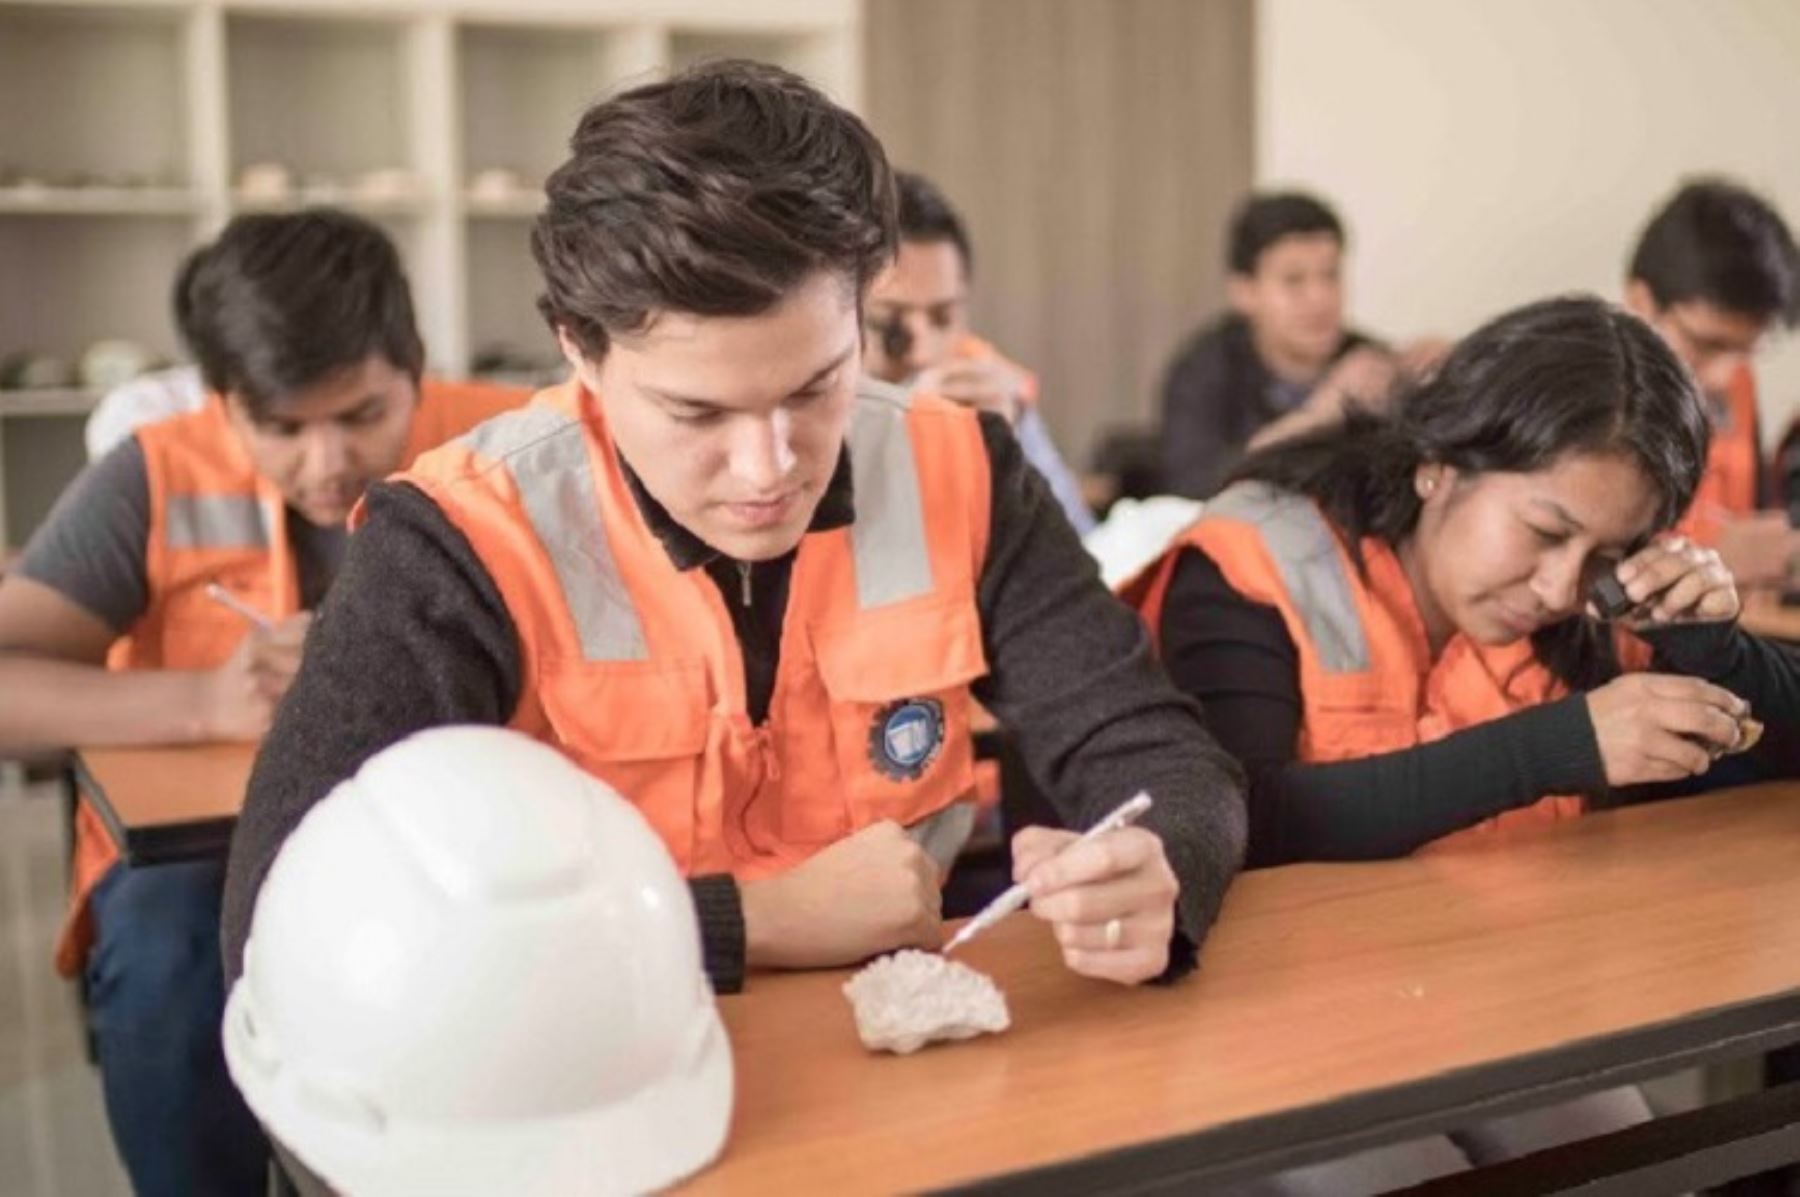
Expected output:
{"points": [[1281, 363], [302, 325]]}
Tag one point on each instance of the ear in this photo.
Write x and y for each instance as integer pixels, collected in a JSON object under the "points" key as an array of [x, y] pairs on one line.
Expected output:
{"points": [[1240, 292], [1432, 480], [237, 409], [586, 371], [1639, 301]]}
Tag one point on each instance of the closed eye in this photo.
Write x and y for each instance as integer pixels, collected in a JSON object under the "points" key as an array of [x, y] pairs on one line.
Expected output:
{"points": [[363, 416]]}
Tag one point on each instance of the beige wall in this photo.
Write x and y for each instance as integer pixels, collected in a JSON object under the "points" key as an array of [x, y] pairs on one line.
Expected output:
{"points": [[1095, 148], [1487, 153]]}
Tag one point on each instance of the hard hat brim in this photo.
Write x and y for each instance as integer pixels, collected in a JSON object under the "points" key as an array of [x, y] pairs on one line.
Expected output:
{"points": [[663, 1133]]}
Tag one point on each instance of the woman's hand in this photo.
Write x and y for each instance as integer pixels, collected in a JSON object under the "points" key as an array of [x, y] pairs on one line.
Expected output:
{"points": [[1674, 580]]}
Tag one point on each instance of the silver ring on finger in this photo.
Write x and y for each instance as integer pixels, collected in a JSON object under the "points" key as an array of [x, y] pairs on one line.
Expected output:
{"points": [[1115, 933]]}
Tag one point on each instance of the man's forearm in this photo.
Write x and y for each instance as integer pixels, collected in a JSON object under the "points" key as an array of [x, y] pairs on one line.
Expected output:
{"points": [[51, 704]]}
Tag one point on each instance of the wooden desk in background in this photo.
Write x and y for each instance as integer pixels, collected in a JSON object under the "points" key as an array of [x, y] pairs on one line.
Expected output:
{"points": [[167, 804], [1765, 616], [1337, 1007]]}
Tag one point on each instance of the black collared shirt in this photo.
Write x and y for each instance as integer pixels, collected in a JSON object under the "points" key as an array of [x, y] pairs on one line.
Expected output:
{"points": [[755, 593]]}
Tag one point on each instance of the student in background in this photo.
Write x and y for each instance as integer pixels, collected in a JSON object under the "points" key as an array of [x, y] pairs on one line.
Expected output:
{"points": [[1389, 625], [1713, 272], [303, 329], [1282, 362], [918, 335]]}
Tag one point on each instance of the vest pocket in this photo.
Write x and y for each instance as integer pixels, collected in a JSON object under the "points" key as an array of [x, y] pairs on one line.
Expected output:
{"points": [[641, 727], [192, 630], [897, 686], [1349, 716]]}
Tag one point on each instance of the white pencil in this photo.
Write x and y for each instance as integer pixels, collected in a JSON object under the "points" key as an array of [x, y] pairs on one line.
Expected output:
{"points": [[225, 598], [1016, 897]]}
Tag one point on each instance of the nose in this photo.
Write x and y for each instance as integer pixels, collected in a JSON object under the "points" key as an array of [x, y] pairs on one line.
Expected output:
{"points": [[762, 452], [920, 352], [1557, 582], [1718, 372], [327, 455]]}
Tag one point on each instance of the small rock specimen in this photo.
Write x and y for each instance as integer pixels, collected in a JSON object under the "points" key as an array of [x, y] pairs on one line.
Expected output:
{"points": [[911, 998]]}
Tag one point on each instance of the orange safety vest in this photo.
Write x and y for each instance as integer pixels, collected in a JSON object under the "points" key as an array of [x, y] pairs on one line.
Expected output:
{"points": [[1368, 683], [213, 518], [633, 670], [1728, 488]]}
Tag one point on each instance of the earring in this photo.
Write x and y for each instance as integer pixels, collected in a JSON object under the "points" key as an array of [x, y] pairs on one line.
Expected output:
{"points": [[1426, 486]]}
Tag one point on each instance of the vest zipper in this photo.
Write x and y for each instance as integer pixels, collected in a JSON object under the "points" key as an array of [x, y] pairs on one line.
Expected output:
{"points": [[743, 568]]}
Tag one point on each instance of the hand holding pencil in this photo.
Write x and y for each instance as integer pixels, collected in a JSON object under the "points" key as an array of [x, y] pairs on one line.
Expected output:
{"points": [[1110, 899], [241, 695]]}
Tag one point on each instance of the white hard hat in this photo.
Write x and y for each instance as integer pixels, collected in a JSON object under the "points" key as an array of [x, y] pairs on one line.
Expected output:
{"points": [[474, 968]]}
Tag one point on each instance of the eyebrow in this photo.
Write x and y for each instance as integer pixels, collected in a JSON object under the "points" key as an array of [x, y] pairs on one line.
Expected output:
{"points": [[1562, 513], [1559, 511], [699, 404], [895, 305], [1719, 345]]}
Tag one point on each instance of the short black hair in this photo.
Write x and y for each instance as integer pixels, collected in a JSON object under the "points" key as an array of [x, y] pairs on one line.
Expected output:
{"points": [[927, 215], [713, 193], [1720, 243], [1266, 217], [282, 301]]}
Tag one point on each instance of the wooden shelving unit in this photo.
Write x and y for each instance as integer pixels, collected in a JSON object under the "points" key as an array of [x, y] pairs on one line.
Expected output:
{"points": [[127, 126]]}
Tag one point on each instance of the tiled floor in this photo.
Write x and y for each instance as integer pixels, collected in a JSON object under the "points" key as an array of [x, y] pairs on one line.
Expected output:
{"points": [[53, 1136]]}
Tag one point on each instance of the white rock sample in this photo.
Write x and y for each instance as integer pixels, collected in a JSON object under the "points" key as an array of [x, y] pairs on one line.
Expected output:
{"points": [[909, 999]]}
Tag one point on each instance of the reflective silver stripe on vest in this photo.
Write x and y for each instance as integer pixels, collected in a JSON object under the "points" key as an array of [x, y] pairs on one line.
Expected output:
{"points": [[944, 834], [215, 522], [893, 558], [547, 456], [1306, 551]]}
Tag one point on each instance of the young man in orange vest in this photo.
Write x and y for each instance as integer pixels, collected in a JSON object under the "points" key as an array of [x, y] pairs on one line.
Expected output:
{"points": [[750, 590], [303, 327], [917, 321], [1714, 270]]}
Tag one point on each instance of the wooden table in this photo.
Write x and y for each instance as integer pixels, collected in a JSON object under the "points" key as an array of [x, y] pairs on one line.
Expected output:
{"points": [[167, 804], [1765, 616], [1338, 1007]]}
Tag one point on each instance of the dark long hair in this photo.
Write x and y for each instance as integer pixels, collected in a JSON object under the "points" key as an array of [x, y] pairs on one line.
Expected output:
{"points": [[1570, 375]]}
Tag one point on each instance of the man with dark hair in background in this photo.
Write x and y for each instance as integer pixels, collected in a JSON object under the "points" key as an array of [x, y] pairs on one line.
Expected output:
{"points": [[917, 320], [302, 326], [1713, 272], [751, 590], [1282, 362]]}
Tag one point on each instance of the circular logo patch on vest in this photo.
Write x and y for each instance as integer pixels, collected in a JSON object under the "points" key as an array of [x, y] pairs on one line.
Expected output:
{"points": [[906, 737]]}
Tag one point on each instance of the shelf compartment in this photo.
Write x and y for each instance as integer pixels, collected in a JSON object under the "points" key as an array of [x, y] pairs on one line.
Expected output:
{"points": [[71, 280], [322, 97], [503, 288], [93, 96]]}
